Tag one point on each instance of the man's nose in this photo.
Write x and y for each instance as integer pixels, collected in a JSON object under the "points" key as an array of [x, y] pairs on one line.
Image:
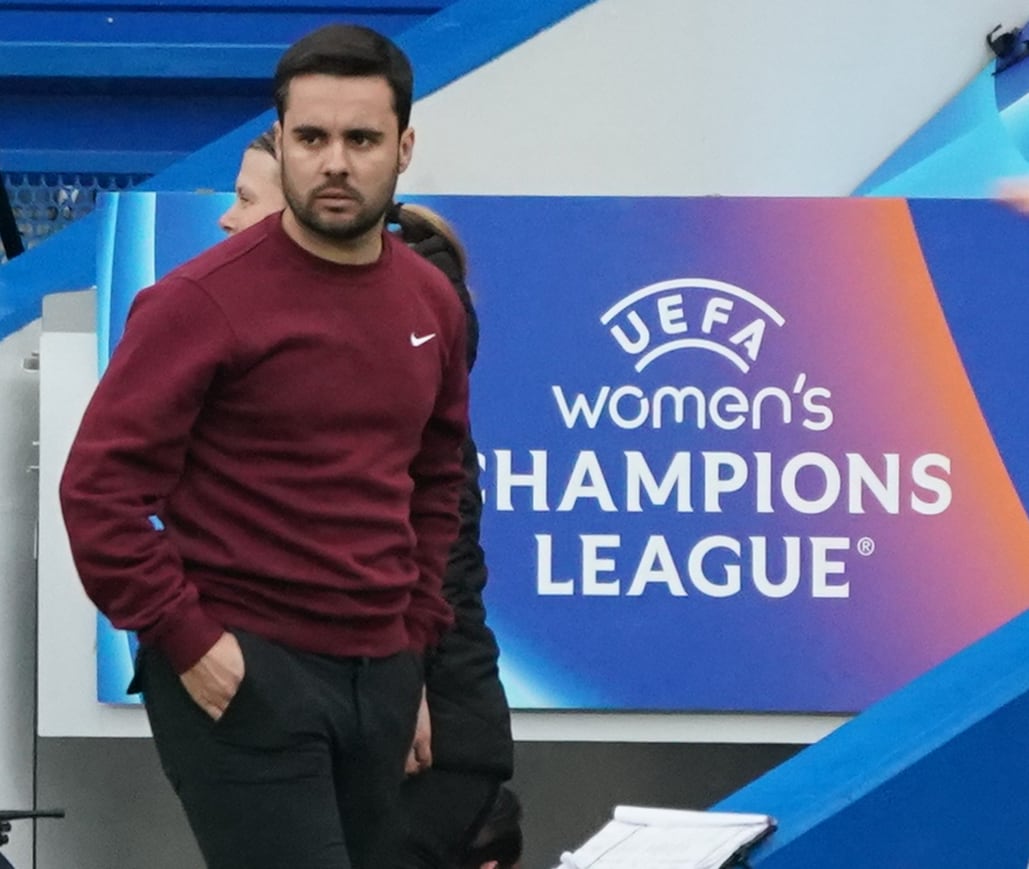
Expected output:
{"points": [[227, 221], [337, 159]]}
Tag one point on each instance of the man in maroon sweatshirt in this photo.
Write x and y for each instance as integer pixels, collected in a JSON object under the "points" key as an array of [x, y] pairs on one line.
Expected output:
{"points": [[265, 485]]}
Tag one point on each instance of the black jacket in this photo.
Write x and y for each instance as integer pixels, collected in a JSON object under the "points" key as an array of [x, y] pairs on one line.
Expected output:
{"points": [[471, 722]]}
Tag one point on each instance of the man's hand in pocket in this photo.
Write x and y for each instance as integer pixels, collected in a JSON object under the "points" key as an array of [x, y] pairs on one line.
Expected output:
{"points": [[213, 681]]}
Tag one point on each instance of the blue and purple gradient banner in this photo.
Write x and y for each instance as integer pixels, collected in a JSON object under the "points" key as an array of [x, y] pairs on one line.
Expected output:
{"points": [[738, 454]]}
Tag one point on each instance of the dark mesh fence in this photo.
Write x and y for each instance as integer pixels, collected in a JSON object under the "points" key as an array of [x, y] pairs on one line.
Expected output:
{"points": [[46, 202]]}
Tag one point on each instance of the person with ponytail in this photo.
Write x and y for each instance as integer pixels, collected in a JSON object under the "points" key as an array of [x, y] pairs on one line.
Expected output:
{"points": [[463, 751]]}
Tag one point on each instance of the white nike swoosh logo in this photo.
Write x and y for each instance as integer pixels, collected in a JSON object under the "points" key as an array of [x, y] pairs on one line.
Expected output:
{"points": [[418, 340]]}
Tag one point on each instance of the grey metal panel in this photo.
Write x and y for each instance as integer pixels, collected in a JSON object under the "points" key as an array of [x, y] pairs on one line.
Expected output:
{"points": [[70, 312]]}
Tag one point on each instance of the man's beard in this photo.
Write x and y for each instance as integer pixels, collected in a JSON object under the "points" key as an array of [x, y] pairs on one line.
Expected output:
{"points": [[367, 218]]}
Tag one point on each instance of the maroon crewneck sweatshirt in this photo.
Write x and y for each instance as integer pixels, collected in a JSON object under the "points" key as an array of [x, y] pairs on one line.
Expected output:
{"points": [[296, 426]]}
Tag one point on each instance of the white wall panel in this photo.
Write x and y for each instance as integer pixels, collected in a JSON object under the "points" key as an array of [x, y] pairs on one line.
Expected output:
{"points": [[67, 619], [733, 97], [18, 431]]}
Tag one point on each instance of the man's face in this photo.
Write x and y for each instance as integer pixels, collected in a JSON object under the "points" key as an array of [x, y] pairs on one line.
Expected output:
{"points": [[341, 152], [258, 192]]}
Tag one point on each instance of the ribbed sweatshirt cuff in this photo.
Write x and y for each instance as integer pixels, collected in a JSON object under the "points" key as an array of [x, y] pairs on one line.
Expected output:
{"points": [[186, 638]]}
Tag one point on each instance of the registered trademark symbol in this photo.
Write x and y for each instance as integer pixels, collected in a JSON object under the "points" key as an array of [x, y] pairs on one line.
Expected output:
{"points": [[866, 546]]}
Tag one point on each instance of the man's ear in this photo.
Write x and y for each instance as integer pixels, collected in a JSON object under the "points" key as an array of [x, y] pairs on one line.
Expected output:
{"points": [[490, 864], [277, 133], [406, 149]]}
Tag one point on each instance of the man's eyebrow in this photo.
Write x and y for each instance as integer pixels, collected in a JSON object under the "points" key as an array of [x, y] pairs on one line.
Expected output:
{"points": [[367, 132], [307, 130]]}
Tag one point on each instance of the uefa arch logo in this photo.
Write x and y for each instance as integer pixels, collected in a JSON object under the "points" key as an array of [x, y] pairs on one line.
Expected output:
{"points": [[691, 313]]}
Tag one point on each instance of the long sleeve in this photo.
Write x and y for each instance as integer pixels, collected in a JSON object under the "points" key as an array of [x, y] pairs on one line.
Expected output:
{"points": [[438, 476], [128, 456]]}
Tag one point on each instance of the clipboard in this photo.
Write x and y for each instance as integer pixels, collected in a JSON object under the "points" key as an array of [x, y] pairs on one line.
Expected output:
{"points": [[638, 837]]}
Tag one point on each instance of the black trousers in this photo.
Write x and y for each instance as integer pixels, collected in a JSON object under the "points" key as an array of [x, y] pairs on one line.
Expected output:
{"points": [[442, 811], [303, 769]]}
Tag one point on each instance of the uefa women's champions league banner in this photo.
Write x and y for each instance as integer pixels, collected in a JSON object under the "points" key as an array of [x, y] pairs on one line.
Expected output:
{"points": [[738, 454]]}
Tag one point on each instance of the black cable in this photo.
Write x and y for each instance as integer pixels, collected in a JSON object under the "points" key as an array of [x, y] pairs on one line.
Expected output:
{"points": [[9, 235]]}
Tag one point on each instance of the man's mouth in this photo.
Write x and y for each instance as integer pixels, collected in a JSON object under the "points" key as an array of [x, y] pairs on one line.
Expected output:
{"points": [[337, 195]]}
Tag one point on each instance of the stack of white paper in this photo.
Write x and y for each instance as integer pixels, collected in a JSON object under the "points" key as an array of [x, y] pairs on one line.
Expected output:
{"points": [[642, 838]]}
